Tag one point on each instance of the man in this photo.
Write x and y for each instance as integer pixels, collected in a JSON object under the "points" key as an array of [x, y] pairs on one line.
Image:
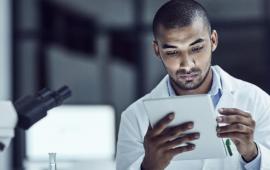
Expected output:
{"points": [[184, 42]]}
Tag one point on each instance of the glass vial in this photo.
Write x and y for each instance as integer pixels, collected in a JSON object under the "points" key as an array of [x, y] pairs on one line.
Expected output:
{"points": [[52, 161]]}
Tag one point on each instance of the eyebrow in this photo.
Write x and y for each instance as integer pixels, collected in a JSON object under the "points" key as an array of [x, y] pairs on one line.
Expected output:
{"points": [[168, 46], [193, 43], [197, 41]]}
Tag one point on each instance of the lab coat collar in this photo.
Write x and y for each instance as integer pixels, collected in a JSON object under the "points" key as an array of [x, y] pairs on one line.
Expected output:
{"points": [[161, 90], [227, 99], [226, 80]]}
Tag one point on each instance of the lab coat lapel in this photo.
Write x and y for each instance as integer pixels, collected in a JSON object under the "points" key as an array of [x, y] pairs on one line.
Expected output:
{"points": [[227, 100], [161, 90]]}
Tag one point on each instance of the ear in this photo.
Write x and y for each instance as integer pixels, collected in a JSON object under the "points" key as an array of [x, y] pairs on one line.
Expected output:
{"points": [[214, 40], [155, 47]]}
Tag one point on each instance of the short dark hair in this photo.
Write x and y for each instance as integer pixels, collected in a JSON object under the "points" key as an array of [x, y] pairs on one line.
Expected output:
{"points": [[179, 13]]}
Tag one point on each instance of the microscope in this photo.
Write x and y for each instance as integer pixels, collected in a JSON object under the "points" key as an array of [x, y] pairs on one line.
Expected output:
{"points": [[26, 111]]}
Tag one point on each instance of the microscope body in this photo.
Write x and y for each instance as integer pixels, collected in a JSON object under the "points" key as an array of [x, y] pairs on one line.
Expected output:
{"points": [[8, 122], [26, 111]]}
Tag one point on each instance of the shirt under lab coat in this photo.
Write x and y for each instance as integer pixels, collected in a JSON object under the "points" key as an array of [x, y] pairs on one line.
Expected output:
{"points": [[235, 94]]}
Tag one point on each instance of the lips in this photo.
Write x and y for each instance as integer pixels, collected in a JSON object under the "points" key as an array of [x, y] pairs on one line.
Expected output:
{"points": [[188, 77]]}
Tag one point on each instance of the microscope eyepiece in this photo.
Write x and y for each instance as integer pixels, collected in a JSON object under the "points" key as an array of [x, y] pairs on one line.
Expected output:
{"points": [[62, 94], [31, 109]]}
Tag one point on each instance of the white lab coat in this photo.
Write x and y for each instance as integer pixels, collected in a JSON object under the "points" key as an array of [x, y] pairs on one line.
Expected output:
{"points": [[236, 94]]}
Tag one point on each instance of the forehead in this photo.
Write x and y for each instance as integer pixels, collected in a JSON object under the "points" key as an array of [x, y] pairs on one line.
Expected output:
{"points": [[197, 29]]}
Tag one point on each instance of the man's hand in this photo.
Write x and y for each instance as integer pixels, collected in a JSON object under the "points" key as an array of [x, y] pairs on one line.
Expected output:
{"points": [[240, 128], [161, 143]]}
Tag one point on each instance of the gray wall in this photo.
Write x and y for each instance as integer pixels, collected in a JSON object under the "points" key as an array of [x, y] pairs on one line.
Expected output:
{"points": [[5, 75]]}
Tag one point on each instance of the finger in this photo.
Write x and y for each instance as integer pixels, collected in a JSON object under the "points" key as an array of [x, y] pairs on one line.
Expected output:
{"points": [[174, 132], [181, 140], [233, 111], [235, 135], [162, 124], [237, 127], [179, 129], [178, 150], [148, 132], [230, 119]]}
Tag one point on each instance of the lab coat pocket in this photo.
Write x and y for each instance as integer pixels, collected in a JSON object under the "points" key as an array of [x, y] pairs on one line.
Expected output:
{"points": [[232, 161]]}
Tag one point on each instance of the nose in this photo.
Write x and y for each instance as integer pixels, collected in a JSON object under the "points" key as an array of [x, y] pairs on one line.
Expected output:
{"points": [[187, 62]]}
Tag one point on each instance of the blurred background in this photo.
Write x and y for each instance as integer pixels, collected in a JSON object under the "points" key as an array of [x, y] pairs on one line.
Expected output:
{"points": [[102, 50]]}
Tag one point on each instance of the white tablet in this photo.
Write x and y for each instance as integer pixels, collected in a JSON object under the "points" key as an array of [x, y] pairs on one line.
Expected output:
{"points": [[198, 109]]}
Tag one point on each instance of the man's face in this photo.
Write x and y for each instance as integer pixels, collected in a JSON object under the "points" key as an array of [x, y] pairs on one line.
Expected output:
{"points": [[186, 53]]}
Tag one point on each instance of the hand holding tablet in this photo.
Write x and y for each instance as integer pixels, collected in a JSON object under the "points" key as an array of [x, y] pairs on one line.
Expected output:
{"points": [[197, 110]]}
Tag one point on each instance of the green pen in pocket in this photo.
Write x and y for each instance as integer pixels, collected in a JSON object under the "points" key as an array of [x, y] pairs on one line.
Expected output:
{"points": [[228, 145]]}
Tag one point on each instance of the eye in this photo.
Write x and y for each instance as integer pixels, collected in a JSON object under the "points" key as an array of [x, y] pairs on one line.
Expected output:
{"points": [[171, 53], [197, 49]]}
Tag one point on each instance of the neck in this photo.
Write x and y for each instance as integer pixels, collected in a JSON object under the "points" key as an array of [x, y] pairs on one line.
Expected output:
{"points": [[202, 89]]}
